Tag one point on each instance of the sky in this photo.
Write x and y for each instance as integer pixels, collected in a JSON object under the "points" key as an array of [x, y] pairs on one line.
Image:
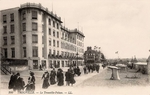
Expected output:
{"points": [[113, 25]]}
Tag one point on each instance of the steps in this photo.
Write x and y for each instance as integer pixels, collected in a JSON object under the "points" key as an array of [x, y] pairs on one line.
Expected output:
{"points": [[5, 70]]}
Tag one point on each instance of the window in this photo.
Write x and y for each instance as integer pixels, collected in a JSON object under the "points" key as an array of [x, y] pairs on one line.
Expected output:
{"points": [[24, 38], [53, 23], [54, 33], [42, 40], [12, 52], [24, 26], [49, 31], [57, 43], [62, 35], [34, 26], [5, 40], [42, 52], [42, 17], [54, 43], [42, 28], [57, 26], [57, 52], [12, 29], [50, 42], [57, 34], [12, 17], [24, 52], [5, 29], [34, 38], [5, 52], [12, 40], [34, 14], [49, 21], [53, 52], [62, 53], [24, 15], [35, 51], [50, 51], [4, 19]]}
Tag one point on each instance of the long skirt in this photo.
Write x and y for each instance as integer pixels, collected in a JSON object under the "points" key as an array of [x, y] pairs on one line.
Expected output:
{"points": [[52, 80], [45, 84]]}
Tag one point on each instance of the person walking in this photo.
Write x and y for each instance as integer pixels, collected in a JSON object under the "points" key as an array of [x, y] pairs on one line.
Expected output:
{"points": [[97, 68], [45, 78], [12, 81], [40, 67], [89, 69], [60, 77], [19, 84], [67, 77], [85, 70], [52, 77], [31, 81], [78, 71], [72, 80]]}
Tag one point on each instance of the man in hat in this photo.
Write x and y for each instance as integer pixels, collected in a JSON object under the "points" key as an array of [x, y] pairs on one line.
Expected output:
{"points": [[12, 81], [19, 84]]}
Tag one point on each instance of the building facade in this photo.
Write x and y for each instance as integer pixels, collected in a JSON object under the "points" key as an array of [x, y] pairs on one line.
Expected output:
{"points": [[92, 56], [33, 36]]}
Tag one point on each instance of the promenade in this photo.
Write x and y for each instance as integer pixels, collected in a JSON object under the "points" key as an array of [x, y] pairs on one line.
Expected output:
{"points": [[38, 75]]}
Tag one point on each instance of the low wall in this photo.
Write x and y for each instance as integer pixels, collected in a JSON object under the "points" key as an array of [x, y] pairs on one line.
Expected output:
{"points": [[19, 68]]}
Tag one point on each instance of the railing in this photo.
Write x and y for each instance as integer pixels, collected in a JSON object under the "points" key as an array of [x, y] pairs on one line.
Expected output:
{"points": [[5, 69]]}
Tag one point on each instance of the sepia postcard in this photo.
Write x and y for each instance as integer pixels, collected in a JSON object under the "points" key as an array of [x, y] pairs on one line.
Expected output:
{"points": [[74, 47]]}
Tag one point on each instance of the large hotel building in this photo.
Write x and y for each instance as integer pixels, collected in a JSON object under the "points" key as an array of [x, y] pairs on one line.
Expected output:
{"points": [[32, 35]]}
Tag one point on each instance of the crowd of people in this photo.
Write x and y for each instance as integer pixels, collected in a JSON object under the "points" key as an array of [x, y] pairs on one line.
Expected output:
{"points": [[50, 78], [17, 83], [91, 68]]}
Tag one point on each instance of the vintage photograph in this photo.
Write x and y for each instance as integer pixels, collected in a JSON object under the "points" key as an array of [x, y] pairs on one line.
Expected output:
{"points": [[75, 47]]}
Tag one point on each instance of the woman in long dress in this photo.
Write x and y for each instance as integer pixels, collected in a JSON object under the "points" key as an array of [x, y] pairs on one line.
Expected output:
{"points": [[31, 81], [60, 77], [45, 78], [52, 77]]}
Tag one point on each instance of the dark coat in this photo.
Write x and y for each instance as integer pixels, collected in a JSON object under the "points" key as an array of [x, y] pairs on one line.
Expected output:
{"points": [[52, 77], [67, 76], [97, 68], [45, 78], [19, 84], [12, 82], [72, 80], [85, 70], [60, 78], [78, 71]]}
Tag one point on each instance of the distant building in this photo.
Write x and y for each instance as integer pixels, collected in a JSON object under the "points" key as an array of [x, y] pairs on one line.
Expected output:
{"points": [[92, 56], [31, 34]]}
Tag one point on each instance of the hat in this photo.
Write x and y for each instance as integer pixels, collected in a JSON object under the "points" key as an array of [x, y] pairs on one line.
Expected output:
{"points": [[18, 74], [31, 73]]}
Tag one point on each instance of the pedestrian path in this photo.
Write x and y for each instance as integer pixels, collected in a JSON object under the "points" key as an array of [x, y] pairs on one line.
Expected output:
{"points": [[39, 81], [83, 77]]}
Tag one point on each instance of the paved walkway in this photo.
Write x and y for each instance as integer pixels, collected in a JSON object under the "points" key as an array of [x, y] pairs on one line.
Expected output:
{"points": [[38, 75]]}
